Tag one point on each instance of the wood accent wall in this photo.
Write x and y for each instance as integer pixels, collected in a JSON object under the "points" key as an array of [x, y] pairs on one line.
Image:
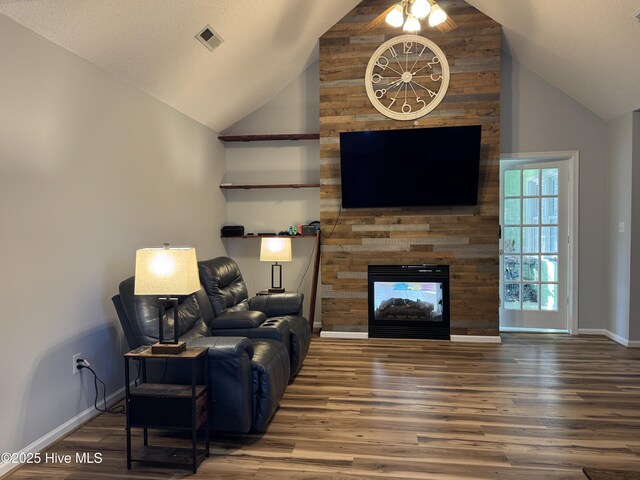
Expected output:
{"points": [[465, 238]]}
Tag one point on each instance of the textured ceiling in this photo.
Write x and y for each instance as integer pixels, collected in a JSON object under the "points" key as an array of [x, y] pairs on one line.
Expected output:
{"points": [[590, 49], [151, 44]]}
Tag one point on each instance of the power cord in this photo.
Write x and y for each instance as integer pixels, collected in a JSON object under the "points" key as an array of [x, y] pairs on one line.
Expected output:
{"points": [[84, 364], [334, 225], [315, 244]]}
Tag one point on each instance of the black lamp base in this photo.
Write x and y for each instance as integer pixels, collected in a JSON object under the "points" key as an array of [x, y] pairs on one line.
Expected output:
{"points": [[276, 290], [168, 348]]}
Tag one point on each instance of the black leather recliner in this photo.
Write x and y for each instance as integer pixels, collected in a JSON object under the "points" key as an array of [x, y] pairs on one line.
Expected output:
{"points": [[247, 376], [277, 316]]}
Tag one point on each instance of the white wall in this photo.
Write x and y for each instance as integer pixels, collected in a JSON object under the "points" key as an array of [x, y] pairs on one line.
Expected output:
{"points": [[90, 170], [537, 117], [620, 188], [295, 109], [634, 307]]}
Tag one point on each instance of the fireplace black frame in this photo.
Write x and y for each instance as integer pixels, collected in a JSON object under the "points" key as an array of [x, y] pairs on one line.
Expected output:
{"points": [[410, 328]]}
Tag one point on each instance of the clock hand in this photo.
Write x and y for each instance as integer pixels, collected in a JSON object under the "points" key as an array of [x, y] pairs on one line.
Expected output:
{"points": [[414, 63], [394, 84], [431, 93]]}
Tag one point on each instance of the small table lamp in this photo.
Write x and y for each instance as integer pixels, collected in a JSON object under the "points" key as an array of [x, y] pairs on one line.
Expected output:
{"points": [[168, 272], [276, 250]]}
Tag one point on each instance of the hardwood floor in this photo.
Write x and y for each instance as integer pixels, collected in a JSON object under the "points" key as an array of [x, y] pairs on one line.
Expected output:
{"points": [[536, 407]]}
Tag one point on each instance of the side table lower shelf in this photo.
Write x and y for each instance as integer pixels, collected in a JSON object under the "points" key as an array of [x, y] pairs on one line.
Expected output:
{"points": [[167, 407]]}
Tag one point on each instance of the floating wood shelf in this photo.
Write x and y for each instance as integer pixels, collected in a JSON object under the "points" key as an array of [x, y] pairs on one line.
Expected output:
{"points": [[238, 186], [267, 138]]}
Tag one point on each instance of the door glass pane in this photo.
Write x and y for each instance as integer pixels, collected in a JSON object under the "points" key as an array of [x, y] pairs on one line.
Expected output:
{"points": [[548, 297], [549, 240], [530, 211], [530, 296], [550, 181], [511, 241], [512, 268], [530, 182], [530, 239], [512, 211], [530, 268], [512, 183], [512, 295], [550, 210], [549, 270]]}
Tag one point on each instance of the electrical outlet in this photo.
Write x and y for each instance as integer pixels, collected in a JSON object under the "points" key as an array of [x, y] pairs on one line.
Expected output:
{"points": [[75, 362]]}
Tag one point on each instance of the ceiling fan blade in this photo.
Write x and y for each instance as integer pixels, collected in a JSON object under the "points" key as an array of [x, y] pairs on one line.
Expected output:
{"points": [[447, 25], [376, 21]]}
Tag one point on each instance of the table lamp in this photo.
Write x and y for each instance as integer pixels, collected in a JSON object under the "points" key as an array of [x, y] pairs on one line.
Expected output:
{"points": [[273, 249], [169, 273]]}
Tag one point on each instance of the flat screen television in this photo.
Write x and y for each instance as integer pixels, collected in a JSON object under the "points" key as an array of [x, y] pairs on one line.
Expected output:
{"points": [[413, 167]]}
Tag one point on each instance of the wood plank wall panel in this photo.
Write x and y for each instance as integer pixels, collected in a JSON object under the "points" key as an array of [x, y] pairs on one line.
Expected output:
{"points": [[465, 238]]}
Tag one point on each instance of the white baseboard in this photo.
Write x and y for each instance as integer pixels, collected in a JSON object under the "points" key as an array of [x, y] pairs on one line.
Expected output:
{"points": [[59, 432], [616, 338], [454, 338], [344, 335], [592, 331], [531, 330], [476, 339]]}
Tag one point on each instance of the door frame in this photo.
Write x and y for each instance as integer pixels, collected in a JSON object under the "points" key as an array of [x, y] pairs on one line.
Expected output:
{"points": [[573, 195]]}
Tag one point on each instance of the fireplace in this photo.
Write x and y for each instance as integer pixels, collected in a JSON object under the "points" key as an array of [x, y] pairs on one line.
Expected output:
{"points": [[409, 301]]}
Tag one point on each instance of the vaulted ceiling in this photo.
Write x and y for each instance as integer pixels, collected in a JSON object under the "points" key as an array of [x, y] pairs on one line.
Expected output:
{"points": [[151, 45], [590, 49]]}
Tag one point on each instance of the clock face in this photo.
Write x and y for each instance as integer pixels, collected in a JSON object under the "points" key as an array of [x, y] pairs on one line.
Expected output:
{"points": [[407, 77]]}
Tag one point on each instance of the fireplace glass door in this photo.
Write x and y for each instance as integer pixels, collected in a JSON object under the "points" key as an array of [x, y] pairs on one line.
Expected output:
{"points": [[409, 301], [421, 301]]}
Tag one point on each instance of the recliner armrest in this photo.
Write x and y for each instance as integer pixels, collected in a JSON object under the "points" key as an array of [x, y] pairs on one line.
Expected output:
{"points": [[243, 319], [276, 304], [222, 348]]}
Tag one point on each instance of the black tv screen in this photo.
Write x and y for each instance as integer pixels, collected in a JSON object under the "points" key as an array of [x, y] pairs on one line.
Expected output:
{"points": [[413, 167]]}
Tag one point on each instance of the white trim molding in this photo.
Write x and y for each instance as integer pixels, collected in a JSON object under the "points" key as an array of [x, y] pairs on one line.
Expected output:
{"points": [[592, 331], [59, 432], [454, 338], [612, 336], [531, 330], [476, 339], [344, 335], [573, 224]]}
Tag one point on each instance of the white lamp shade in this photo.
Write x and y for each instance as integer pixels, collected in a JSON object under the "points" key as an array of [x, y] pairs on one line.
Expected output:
{"points": [[437, 16], [275, 250], [395, 17], [412, 24], [166, 271], [420, 9]]}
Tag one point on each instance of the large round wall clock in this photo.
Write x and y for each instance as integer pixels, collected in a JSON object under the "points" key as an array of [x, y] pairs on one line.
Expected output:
{"points": [[407, 77]]}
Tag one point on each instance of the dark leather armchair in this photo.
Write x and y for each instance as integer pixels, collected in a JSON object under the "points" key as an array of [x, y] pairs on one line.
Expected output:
{"points": [[277, 316], [247, 376]]}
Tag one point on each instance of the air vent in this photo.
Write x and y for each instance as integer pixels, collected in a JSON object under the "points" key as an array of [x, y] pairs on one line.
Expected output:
{"points": [[209, 38]]}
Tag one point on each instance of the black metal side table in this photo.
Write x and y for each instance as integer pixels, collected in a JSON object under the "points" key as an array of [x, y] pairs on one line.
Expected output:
{"points": [[169, 407]]}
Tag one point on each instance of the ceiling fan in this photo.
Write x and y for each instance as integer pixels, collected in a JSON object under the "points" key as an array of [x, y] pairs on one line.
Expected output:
{"points": [[408, 13]]}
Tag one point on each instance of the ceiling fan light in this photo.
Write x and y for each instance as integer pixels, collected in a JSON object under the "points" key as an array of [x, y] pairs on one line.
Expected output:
{"points": [[420, 9], [395, 17], [412, 24], [437, 16]]}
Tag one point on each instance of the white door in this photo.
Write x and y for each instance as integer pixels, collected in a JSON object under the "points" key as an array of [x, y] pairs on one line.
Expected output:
{"points": [[534, 214]]}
